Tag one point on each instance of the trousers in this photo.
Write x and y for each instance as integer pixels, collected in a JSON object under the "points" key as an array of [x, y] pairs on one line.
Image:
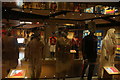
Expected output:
{"points": [[90, 70]]}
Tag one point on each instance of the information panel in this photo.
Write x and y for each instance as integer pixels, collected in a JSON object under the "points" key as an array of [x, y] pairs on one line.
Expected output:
{"points": [[17, 73], [111, 70]]}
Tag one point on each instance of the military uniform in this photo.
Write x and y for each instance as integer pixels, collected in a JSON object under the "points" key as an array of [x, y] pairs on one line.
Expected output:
{"points": [[34, 52], [63, 60]]}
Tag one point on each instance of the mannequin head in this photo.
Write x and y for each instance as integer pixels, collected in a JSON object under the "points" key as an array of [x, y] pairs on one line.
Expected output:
{"points": [[111, 33]]}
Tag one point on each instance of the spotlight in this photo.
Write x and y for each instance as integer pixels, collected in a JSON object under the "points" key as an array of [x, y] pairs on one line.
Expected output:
{"points": [[114, 17], [26, 77]]}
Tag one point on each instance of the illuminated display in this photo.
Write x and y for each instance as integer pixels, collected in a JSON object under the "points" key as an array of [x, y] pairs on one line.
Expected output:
{"points": [[72, 51], [16, 73], [106, 10], [89, 10], [111, 70], [19, 3], [20, 40]]}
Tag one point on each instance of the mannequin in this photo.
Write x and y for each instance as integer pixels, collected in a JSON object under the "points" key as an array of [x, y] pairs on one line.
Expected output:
{"points": [[52, 43], [34, 53], [75, 45], [63, 60], [107, 51]]}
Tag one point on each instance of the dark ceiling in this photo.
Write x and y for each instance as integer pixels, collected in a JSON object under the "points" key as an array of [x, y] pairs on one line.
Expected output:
{"points": [[64, 12]]}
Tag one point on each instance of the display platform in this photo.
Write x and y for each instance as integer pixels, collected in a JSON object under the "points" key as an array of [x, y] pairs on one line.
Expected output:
{"points": [[17, 73], [111, 70]]}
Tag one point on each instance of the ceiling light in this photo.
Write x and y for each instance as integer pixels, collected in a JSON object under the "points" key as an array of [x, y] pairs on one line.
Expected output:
{"points": [[5, 10], [28, 22], [22, 22], [19, 3], [95, 15], [69, 24], [114, 17]]}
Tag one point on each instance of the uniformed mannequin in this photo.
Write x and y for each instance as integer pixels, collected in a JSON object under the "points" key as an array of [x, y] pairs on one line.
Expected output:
{"points": [[34, 54], [10, 53], [63, 60], [108, 50], [75, 45], [52, 43]]}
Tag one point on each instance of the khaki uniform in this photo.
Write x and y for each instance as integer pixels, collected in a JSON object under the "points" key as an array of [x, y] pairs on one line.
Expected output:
{"points": [[63, 60], [34, 52]]}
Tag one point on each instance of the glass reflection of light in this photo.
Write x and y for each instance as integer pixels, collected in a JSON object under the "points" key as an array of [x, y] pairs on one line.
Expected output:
{"points": [[19, 3], [20, 40]]}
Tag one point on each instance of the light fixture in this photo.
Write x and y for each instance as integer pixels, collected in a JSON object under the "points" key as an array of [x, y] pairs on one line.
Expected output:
{"points": [[5, 10], [25, 77], [69, 24], [114, 17], [22, 22], [73, 14], [28, 22], [19, 3], [20, 40]]}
